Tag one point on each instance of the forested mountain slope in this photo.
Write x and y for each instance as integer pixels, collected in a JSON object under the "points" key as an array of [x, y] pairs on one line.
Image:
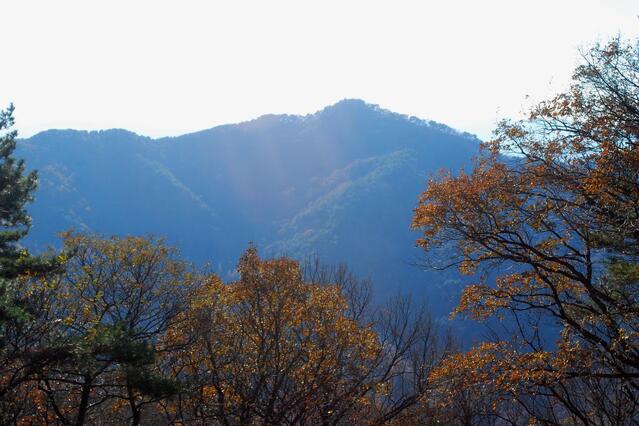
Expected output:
{"points": [[341, 183]]}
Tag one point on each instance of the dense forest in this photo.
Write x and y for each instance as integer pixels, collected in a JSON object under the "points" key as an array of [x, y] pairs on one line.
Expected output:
{"points": [[125, 330]]}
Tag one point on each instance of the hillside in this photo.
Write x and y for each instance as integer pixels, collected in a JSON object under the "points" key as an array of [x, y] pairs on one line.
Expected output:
{"points": [[341, 183]]}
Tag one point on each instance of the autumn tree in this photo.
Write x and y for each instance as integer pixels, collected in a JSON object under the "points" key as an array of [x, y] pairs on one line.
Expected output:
{"points": [[274, 348], [551, 210], [132, 335], [106, 315]]}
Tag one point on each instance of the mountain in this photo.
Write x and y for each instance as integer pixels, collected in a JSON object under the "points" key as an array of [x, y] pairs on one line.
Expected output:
{"points": [[340, 183]]}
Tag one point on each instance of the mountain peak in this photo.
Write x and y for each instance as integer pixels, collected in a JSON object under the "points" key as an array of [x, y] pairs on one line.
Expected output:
{"points": [[350, 105], [350, 108], [353, 103]]}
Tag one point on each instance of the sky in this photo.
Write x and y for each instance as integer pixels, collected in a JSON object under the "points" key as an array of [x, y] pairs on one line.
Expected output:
{"points": [[162, 68]]}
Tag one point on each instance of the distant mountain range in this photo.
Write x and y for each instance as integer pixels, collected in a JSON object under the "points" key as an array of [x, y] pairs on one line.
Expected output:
{"points": [[341, 183]]}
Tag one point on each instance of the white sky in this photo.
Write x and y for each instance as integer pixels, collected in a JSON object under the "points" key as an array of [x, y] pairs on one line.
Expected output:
{"points": [[169, 67]]}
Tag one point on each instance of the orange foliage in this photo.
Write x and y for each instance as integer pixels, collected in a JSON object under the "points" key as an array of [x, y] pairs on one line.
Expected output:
{"points": [[556, 212], [272, 346]]}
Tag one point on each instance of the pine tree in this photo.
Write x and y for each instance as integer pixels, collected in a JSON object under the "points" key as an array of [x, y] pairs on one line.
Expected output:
{"points": [[18, 359], [16, 191]]}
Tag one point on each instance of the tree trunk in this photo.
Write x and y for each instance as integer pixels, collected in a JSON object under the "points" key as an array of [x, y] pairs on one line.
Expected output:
{"points": [[84, 400]]}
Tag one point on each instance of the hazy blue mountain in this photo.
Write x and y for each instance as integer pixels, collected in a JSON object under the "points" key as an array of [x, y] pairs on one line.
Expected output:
{"points": [[341, 183]]}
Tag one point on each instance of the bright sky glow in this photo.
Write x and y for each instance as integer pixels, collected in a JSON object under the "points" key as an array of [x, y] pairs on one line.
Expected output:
{"points": [[170, 67]]}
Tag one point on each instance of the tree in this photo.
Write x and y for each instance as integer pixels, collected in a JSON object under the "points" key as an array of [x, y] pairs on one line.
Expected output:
{"points": [[552, 208], [105, 316], [273, 348], [16, 190]]}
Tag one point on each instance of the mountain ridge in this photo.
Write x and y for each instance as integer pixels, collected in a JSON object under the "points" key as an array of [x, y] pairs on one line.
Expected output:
{"points": [[339, 107], [341, 183]]}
